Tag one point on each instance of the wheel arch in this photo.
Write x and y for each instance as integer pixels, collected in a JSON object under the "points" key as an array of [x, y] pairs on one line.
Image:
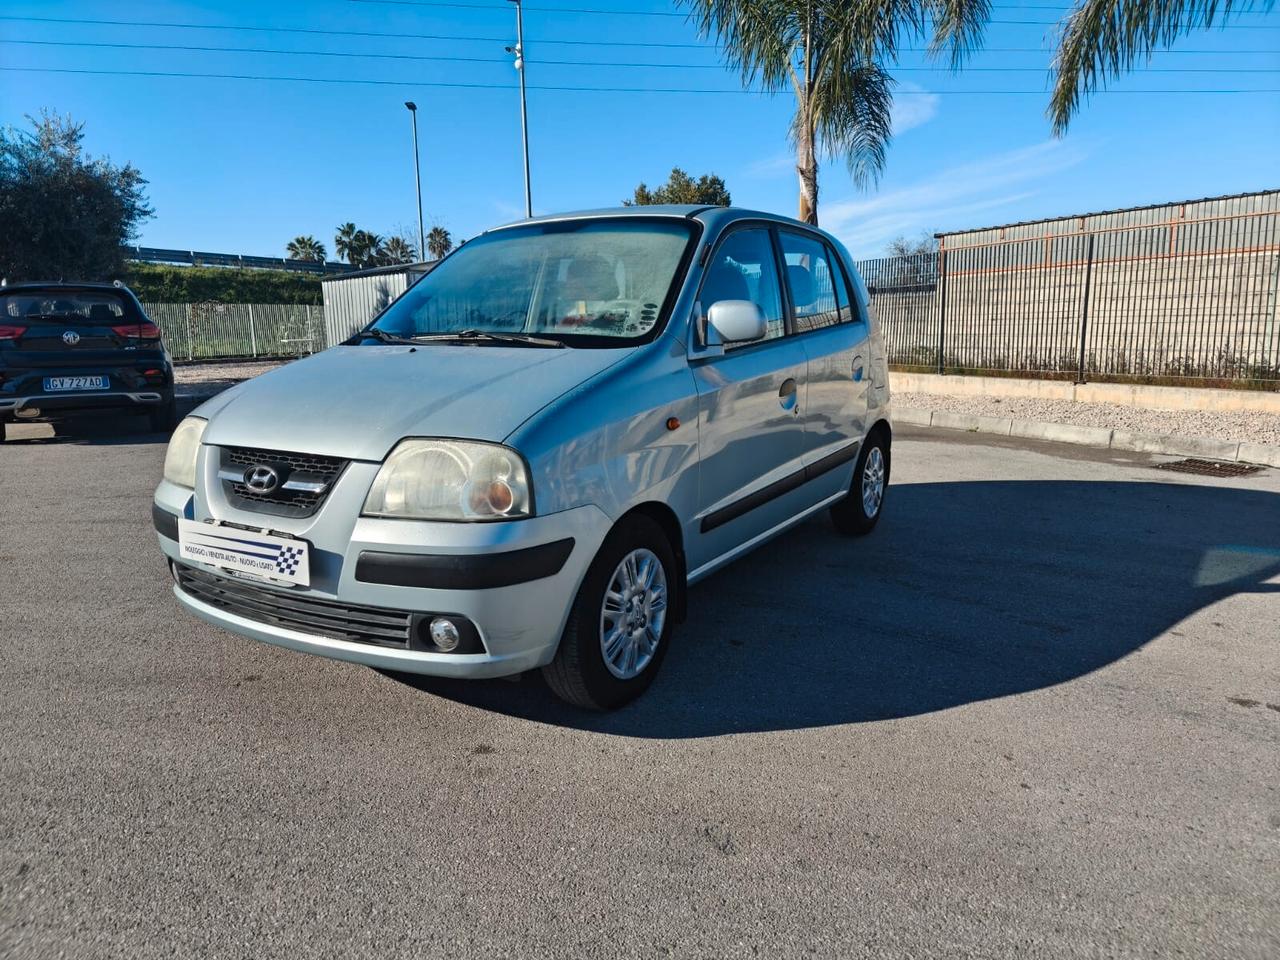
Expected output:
{"points": [[882, 428]]}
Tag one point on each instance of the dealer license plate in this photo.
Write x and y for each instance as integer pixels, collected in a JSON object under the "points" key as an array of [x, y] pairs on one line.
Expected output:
{"points": [[59, 384], [246, 552]]}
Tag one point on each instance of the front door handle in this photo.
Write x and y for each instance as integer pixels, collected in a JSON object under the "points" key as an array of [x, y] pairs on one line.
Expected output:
{"points": [[787, 395]]}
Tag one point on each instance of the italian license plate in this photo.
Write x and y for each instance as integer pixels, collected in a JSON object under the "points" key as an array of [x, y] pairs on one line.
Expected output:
{"points": [[58, 384], [261, 556]]}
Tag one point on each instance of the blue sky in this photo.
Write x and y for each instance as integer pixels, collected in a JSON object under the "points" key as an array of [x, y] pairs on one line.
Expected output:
{"points": [[244, 165]]}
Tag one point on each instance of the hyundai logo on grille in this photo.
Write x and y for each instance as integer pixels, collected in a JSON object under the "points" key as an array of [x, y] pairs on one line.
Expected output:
{"points": [[261, 479], [71, 338]]}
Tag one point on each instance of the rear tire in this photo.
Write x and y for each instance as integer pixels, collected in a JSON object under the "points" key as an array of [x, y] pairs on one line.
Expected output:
{"points": [[624, 607], [3, 430], [859, 512]]}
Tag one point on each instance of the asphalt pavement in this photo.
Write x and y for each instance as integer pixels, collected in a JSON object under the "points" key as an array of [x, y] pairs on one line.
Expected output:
{"points": [[1036, 714]]}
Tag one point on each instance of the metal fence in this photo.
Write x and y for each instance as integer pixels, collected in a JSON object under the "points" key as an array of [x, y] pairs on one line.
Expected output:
{"points": [[194, 331], [1193, 300]]}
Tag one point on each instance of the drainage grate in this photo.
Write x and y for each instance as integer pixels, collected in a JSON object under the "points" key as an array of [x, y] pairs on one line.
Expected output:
{"points": [[1209, 468]]}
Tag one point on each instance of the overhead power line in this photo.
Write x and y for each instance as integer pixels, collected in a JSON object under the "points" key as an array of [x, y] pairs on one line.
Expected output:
{"points": [[598, 11], [399, 35], [595, 11], [452, 58], [455, 37], [566, 89]]}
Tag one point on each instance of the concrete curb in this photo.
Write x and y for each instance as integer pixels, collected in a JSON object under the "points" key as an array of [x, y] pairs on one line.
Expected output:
{"points": [[1232, 451]]}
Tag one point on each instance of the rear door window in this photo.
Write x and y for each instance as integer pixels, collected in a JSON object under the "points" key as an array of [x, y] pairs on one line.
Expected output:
{"points": [[819, 294]]}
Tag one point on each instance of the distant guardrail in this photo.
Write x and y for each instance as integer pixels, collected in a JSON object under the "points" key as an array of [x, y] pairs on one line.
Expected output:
{"points": [[203, 258]]}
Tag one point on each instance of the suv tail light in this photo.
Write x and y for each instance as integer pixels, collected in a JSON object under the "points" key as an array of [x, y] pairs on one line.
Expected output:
{"points": [[9, 332], [138, 331]]}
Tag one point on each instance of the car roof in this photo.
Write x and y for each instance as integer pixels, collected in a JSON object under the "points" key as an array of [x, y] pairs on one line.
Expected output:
{"points": [[707, 214]]}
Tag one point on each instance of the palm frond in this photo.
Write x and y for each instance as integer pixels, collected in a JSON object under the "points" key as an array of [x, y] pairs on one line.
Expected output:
{"points": [[853, 114], [758, 37], [1104, 38]]}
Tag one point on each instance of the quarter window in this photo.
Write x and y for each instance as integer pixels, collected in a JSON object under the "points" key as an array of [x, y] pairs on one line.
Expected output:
{"points": [[744, 268], [819, 294]]}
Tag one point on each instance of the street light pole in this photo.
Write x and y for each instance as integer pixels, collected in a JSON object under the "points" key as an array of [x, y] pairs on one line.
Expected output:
{"points": [[417, 178], [524, 115]]}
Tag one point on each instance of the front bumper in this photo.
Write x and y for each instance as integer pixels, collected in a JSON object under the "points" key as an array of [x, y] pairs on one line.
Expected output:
{"points": [[515, 581]]}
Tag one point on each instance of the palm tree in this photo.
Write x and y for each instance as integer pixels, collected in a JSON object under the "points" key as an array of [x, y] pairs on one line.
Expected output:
{"points": [[439, 242], [832, 55], [366, 249], [306, 248], [1101, 39], [398, 250], [344, 243]]}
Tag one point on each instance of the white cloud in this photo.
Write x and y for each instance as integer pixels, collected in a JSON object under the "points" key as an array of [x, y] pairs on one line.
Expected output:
{"points": [[948, 197], [508, 210], [769, 167], [912, 107]]}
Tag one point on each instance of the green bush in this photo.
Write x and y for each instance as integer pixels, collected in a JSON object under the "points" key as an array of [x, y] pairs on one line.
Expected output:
{"points": [[157, 283]]}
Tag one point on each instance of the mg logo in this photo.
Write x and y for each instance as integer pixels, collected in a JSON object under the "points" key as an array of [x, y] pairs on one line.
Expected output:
{"points": [[71, 338], [261, 479]]}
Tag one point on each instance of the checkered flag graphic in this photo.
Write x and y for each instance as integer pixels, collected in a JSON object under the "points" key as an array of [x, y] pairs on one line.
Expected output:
{"points": [[287, 561]]}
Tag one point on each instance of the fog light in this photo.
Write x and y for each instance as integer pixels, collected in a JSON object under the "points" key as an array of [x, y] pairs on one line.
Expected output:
{"points": [[444, 634], [28, 413]]}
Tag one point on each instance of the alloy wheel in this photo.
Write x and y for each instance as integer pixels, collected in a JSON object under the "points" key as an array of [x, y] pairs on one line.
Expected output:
{"points": [[633, 614]]}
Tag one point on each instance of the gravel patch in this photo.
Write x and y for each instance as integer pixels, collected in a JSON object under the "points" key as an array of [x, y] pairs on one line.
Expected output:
{"points": [[206, 379], [1240, 426]]}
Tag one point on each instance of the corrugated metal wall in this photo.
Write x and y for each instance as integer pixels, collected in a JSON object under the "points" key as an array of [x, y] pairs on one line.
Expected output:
{"points": [[352, 301], [1238, 206], [1184, 291]]}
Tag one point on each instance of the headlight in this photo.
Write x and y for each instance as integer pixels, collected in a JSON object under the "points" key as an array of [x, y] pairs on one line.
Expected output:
{"points": [[180, 458], [450, 480]]}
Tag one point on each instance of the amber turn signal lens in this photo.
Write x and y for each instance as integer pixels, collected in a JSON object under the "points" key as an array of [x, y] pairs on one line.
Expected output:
{"points": [[673, 422]]}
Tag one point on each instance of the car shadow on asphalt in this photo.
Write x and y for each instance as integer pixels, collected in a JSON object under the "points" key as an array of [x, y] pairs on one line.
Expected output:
{"points": [[965, 592], [88, 432]]}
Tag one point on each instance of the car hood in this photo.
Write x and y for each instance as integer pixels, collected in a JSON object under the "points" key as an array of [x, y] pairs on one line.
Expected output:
{"points": [[359, 402]]}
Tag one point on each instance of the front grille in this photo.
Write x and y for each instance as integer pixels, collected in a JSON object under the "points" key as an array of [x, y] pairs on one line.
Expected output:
{"points": [[326, 618], [280, 502]]}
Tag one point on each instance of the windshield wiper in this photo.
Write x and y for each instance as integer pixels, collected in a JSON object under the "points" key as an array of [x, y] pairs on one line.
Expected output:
{"points": [[474, 336], [382, 336]]}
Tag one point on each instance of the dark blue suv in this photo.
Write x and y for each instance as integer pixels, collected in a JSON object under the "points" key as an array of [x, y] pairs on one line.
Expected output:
{"points": [[80, 348]]}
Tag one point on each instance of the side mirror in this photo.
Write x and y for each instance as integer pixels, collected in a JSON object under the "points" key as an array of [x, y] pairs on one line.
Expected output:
{"points": [[734, 321]]}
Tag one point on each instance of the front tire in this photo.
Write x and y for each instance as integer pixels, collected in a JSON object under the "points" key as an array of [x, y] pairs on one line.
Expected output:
{"points": [[858, 513], [621, 622]]}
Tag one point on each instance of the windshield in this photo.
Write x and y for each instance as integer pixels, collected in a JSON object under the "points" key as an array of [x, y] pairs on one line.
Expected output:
{"points": [[583, 282]]}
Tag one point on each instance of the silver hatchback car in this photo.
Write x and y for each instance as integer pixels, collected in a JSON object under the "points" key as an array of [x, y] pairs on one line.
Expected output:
{"points": [[526, 460]]}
